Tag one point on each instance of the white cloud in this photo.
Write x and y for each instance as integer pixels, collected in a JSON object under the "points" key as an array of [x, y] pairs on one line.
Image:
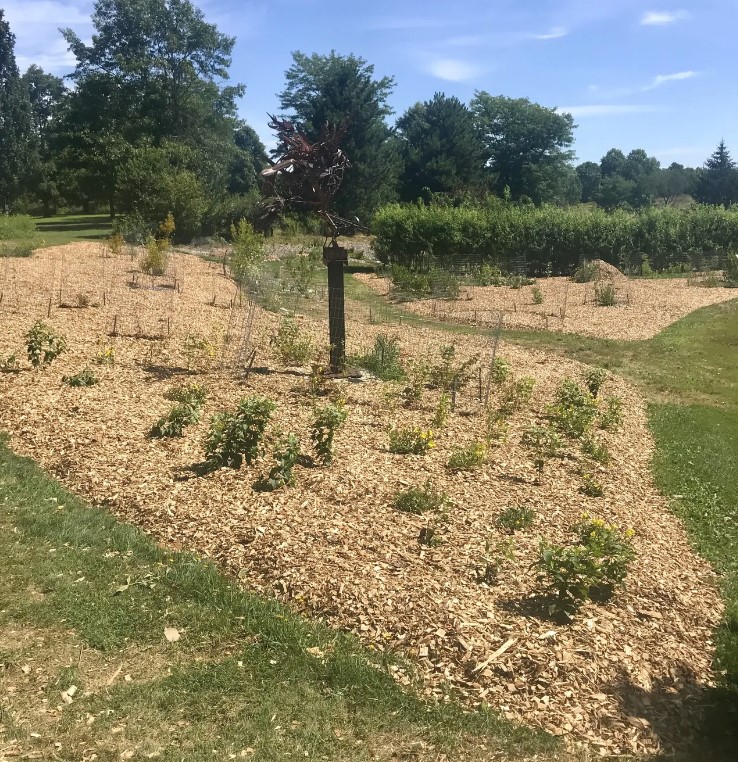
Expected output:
{"points": [[555, 33], [47, 13], [656, 82], [662, 79], [663, 18], [615, 109], [392, 23], [452, 69], [55, 58]]}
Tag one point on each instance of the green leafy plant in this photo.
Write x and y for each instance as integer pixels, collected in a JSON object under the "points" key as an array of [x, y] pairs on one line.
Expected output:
{"points": [[596, 450], [594, 379], [591, 487], [467, 458], [198, 350], [496, 553], [155, 258], [417, 376], [383, 360], [447, 375], [84, 378], [605, 295], [193, 394], [286, 455], [574, 409], [496, 427], [586, 273], [543, 443], [247, 255], [612, 417], [235, 437], [516, 518], [175, 421], [537, 295], [500, 371], [9, 364], [442, 410], [115, 244], [410, 441], [105, 355], [43, 345], [516, 395], [730, 274], [300, 270], [293, 348], [420, 500], [327, 421]]}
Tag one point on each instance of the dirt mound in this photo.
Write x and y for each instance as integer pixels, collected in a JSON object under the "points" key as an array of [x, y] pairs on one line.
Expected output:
{"points": [[607, 270]]}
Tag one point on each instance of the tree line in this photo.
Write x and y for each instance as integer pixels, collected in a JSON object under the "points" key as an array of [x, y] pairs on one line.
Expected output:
{"points": [[147, 124]]}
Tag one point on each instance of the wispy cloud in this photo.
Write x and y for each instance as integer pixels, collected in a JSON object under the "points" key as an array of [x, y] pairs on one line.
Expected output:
{"points": [[452, 69], [658, 81], [663, 18], [396, 23], [555, 33], [611, 109], [662, 79]]}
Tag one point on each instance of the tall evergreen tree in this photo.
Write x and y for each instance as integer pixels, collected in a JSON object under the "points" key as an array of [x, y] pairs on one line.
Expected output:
{"points": [[718, 181], [332, 89], [15, 121], [441, 149]]}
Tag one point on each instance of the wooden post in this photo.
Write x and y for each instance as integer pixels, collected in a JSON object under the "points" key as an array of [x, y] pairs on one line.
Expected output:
{"points": [[335, 257]]}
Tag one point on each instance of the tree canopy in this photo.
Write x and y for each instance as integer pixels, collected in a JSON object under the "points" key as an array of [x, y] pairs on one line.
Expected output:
{"points": [[718, 180]]}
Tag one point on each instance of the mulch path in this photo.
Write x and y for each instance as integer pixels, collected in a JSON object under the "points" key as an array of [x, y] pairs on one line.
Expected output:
{"points": [[625, 676]]}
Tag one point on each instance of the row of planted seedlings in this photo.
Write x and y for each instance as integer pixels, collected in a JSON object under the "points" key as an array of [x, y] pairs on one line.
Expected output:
{"points": [[596, 560]]}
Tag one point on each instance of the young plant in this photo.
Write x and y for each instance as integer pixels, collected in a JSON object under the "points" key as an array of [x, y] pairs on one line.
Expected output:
{"points": [[493, 559], [43, 345], [517, 395], [192, 394], [514, 518], [235, 437], [292, 347], [198, 350], [155, 259], [84, 378], [420, 500], [9, 364], [383, 360], [446, 375], [594, 379], [496, 428], [605, 295], [612, 417], [467, 458], [442, 410], [106, 355], [410, 441], [543, 443], [417, 376], [327, 421], [591, 487], [115, 244], [286, 456], [247, 255], [500, 371], [586, 273], [175, 421], [596, 450], [574, 409], [537, 295]]}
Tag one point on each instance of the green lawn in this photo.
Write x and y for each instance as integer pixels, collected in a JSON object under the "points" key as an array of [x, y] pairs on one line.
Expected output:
{"points": [[85, 600], [55, 231]]}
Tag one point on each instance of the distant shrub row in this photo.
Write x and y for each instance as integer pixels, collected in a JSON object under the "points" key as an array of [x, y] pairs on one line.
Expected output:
{"points": [[552, 239]]}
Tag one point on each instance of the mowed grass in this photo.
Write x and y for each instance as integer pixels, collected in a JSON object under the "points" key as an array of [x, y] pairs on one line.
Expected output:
{"points": [[61, 229], [85, 600]]}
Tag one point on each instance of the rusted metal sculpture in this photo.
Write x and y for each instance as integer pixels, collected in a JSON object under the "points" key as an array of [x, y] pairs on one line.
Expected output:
{"points": [[307, 176]]}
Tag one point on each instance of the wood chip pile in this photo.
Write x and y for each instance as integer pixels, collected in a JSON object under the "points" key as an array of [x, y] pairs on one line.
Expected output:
{"points": [[624, 677], [643, 307]]}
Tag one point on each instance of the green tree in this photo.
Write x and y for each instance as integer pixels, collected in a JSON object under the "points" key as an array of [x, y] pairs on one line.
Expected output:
{"points": [[332, 89], [590, 178], [15, 120], [613, 163], [717, 183], [249, 158], [523, 142], [669, 185], [441, 149]]}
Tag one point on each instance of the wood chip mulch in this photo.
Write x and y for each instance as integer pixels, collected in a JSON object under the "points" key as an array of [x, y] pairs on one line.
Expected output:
{"points": [[625, 676]]}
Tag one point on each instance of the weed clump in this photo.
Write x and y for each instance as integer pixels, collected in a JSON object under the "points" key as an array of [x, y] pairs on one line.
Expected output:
{"points": [[175, 421], [516, 518], [84, 378], [410, 441], [383, 360], [467, 458], [420, 500]]}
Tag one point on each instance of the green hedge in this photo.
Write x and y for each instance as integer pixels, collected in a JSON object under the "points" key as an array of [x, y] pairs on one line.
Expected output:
{"points": [[553, 239]]}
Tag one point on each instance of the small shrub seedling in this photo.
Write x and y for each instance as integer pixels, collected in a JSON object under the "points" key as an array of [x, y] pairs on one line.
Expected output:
{"points": [[175, 421], [543, 443], [286, 456], [9, 364], [517, 395], [420, 500], [586, 273], [105, 355], [516, 518], [327, 421], [84, 378], [155, 259], [596, 450], [612, 417], [192, 394], [449, 376], [574, 409], [591, 487], [235, 437], [605, 295], [467, 458], [383, 360], [500, 371], [293, 348], [43, 345], [537, 295], [442, 410], [594, 379], [198, 350], [493, 559], [496, 427], [410, 441]]}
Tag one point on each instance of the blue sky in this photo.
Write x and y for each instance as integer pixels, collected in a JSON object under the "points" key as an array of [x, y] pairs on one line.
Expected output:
{"points": [[634, 73]]}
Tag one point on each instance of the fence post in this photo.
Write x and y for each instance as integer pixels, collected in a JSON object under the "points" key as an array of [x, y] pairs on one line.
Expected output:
{"points": [[335, 257]]}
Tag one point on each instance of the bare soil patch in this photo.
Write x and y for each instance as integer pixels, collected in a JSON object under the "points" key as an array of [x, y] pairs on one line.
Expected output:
{"points": [[625, 677], [644, 307]]}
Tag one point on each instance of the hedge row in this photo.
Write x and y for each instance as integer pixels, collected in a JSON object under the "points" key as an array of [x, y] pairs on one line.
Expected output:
{"points": [[552, 239]]}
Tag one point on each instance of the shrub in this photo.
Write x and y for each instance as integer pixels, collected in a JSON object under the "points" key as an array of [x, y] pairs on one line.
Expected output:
{"points": [[591, 487], [235, 437], [442, 410], [247, 255], [115, 244], [286, 455], [417, 378], [496, 427], [383, 360], [300, 270], [731, 269], [489, 275], [515, 518], [517, 395], [9, 364], [327, 420], [594, 567], [612, 418], [198, 350], [436, 282], [500, 371], [466, 458], [155, 259], [574, 409], [292, 347], [596, 450], [193, 394], [410, 441], [43, 345], [18, 248], [447, 375], [174, 422], [586, 273], [419, 500], [594, 379], [543, 443], [84, 378], [605, 295], [537, 296]]}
